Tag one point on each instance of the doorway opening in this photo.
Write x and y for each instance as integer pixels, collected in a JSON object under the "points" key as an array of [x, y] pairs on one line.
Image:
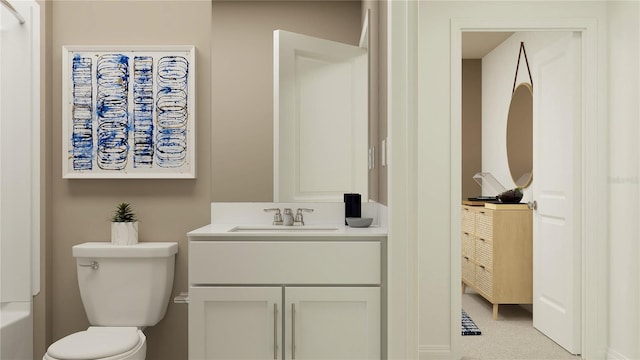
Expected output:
{"points": [[489, 67]]}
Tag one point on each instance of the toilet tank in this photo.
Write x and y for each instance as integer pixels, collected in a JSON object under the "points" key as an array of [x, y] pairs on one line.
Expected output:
{"points": [[125, 285]]}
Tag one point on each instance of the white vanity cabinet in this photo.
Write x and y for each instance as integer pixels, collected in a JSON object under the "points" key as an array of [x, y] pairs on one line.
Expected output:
{"points": [[234, 322], [332, 323], [262, 298]]}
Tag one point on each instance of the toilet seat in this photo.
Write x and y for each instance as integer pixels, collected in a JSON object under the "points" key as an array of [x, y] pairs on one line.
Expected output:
{"points": [[105, 343]]}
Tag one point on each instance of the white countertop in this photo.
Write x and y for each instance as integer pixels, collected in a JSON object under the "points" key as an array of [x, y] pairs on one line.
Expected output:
{"points": [[325, 223], [280, 232]]}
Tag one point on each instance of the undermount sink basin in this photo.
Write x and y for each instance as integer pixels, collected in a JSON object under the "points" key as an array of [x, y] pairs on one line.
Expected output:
{"points": [[269, 228]]}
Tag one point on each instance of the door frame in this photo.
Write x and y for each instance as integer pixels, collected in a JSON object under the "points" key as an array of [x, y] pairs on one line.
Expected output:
{"points": [[593, 216]]}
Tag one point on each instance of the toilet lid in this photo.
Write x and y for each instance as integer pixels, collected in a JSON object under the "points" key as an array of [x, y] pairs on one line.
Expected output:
{"points": [[95, 343]]}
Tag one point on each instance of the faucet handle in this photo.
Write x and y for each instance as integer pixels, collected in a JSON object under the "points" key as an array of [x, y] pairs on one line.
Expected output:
{"points": [[277, 217], [299, 220]]}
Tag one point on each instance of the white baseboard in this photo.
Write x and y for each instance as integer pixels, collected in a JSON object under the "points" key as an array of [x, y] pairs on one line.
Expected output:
{"points": [[434, 352], [614, 355]]}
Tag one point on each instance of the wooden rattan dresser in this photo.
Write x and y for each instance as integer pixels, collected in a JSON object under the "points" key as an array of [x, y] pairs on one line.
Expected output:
{"points": [[497, 253]]}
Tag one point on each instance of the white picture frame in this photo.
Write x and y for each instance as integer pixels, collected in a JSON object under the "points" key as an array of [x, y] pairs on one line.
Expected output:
{"points": [[128, 112]]}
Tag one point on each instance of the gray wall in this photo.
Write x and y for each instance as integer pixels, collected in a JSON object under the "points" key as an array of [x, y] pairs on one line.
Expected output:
{"points": [[242, 84], [234, 135], [79, 209], [471, 126]]}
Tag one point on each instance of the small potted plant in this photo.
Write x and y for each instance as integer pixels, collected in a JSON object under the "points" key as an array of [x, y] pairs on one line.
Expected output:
{"points": [[124, 225]]}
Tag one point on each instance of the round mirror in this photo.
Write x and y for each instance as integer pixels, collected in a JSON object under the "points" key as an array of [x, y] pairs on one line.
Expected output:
{"points": [[520, 135]]}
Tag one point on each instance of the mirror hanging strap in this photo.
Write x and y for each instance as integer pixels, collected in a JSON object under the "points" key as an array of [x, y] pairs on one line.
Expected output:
{"points": [[515, 78]]}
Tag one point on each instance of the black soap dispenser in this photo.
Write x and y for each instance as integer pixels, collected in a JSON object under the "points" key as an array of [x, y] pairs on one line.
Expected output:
{"points": [[352, 206]]}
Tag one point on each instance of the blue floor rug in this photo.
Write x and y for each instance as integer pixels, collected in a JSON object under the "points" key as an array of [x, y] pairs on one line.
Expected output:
{"points": [[468, 326]]}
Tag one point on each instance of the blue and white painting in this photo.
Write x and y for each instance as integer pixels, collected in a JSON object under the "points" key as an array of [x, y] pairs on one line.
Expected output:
{"points": [[129, 112]]}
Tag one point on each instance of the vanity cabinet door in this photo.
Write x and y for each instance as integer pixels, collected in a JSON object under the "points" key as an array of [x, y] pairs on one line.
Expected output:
{"points": [[235, 323], [332, 323]]}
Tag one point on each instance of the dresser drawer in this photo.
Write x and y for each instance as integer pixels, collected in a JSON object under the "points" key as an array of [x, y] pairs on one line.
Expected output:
{"points": [[484, 253], [468, 270], [284, 262], [468, 220], [484, 224], [468, 245], [484, 280]]}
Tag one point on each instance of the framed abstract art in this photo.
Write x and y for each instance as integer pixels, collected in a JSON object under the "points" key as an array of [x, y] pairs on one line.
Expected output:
{"points": [[128, 112]]}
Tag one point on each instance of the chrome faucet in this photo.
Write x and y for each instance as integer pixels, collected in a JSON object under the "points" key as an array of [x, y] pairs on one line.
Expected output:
{"points": [[277, 217], [287, 217], [299, 220]]}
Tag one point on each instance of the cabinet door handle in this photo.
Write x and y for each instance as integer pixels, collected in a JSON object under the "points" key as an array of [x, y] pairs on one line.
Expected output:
{"points": [[293, 331], [275, 331], [482, 266], [466, 257]]}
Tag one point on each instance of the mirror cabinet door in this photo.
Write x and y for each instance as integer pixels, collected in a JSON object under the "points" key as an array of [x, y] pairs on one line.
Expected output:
{"points": [[320, 119]]}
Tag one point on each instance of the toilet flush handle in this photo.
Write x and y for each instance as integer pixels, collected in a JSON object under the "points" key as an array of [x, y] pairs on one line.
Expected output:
{"points": [[94, 265]]}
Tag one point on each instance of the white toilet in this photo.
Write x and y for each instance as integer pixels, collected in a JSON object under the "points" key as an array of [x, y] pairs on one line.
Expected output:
{"points": [[124, 288]]}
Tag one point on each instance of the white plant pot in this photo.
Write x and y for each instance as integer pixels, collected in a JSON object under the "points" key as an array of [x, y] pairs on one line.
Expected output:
{"points": [[124, 233]]}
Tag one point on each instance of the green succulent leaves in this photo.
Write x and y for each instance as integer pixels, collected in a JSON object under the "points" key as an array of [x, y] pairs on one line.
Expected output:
{"points": [[124, 213]]}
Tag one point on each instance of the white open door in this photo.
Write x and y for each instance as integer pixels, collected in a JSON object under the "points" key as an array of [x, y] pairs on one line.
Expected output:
{"points": [[556, 190], [320, 119]]}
